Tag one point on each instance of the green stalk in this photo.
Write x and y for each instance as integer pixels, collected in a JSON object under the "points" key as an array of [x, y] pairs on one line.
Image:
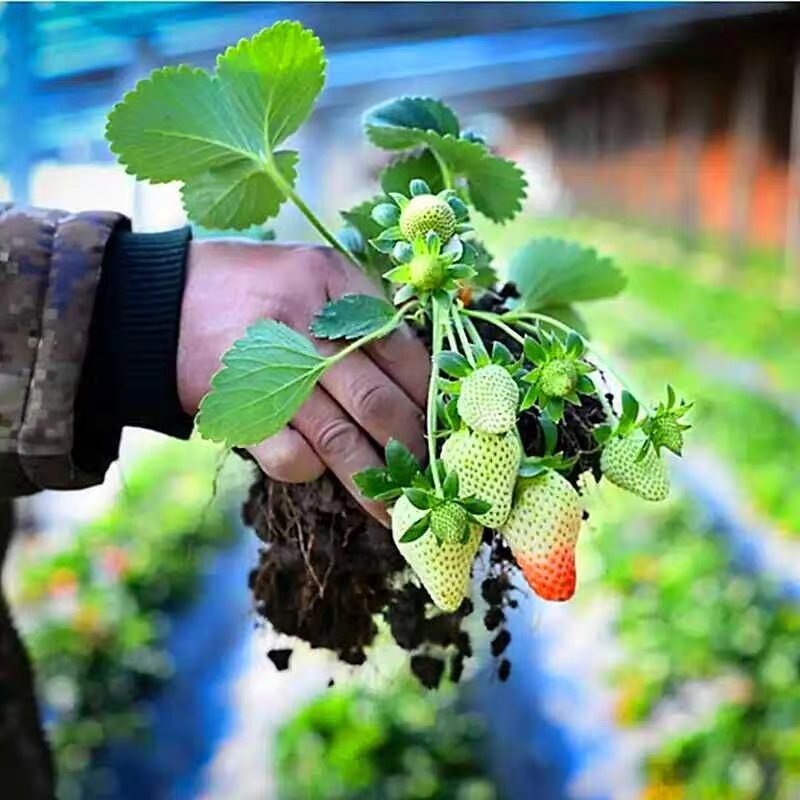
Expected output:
{"points": [[624, 381], [494, 319], [475, 336], [316, 222], [431, 416], [447, 177], [463, 337], [379, 333]]}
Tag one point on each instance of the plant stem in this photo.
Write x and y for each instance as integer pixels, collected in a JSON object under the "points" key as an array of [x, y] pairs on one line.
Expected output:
{"points": [[475, 336], [378, 333], [624, 381], [463, 336], [496, 320], [447, 177], [430, 416], [315, 221], [451, 339]]}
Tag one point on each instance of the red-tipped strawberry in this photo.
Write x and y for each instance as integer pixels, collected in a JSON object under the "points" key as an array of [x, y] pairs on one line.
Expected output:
{"points": [[542, 531], [443, 569]]}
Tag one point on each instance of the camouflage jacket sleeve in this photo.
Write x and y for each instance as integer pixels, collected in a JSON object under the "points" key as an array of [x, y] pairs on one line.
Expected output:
{"points": [[49, 270]]}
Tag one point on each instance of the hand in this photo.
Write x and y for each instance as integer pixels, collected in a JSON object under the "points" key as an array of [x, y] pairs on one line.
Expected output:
{"points": [[371, 396]]}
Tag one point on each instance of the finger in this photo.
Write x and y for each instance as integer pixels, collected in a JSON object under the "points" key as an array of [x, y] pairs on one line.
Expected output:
{"points": [[340, 444], [288, 457], [401, 354], [376, 402]]}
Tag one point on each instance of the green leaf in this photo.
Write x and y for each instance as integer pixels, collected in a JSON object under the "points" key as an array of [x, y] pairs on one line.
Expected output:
{"points": [[265, 378], [630, 408], [400, 461], [176, 124], [450, 485], [398, 175], [550, 433], [273, 79], [474, 505], [496, 185], [553, 272], [568, 316], [396, 124], [454, 364], [217, 133], [419, 528], [351, 316], [419, 498], [238, 195], [374, 482]]}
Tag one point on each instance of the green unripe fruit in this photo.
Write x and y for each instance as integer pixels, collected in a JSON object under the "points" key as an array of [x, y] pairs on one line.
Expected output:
{"points": [[427, 272], [448, 522], [559, 377], [665, 431], [488, 400], [427, 212]]}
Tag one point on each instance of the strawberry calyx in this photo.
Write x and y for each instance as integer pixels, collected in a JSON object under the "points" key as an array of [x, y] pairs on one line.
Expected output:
{"points": [[663, 427], [559, 373]]}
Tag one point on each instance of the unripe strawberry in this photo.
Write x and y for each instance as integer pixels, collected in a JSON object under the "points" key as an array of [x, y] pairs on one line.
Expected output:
{"points": [[647, 477], [488, 400], [425, 213], [559, 377], [486, 465], [542, 531], [448, 522], [427, 271], [443, 569], [666, 431]]}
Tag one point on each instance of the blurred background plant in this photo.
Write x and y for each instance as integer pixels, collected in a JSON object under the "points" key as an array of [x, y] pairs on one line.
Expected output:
{"points": [[397, 742], [95, 609]]}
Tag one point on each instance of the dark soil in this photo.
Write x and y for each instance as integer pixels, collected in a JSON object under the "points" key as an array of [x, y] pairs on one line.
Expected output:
{"points": [[328, 570]]}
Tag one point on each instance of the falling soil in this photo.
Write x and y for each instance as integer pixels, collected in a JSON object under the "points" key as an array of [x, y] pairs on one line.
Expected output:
{"points": [[328, 570]]}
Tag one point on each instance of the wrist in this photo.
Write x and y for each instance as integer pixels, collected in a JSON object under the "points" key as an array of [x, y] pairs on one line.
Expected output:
{"points": [[129, 377]]}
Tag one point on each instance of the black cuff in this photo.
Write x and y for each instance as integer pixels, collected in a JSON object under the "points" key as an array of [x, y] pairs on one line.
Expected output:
{"points": [[129, 376]]}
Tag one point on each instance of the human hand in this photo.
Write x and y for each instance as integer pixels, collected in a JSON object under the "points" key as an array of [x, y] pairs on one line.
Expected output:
{"points": [[371, 396]]}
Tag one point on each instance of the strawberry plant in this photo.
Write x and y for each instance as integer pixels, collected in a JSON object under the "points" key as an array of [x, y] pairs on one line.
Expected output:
{"points": [[509, 376]]}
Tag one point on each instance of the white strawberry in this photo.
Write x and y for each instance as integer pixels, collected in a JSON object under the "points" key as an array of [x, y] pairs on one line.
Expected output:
{"points": [[488, 400], [542, 531], [486, 466], [443, 569], [647, 477]]}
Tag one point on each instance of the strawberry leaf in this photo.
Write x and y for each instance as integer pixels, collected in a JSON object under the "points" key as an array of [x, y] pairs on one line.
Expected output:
{"points": [[495, 185], [217, 133], [396, 124], [419, 528], [351, 316], [401, 464], [265, 378], [375, 483], [553, 272], [399, 174]]}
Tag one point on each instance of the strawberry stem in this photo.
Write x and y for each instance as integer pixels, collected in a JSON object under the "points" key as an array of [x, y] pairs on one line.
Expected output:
{"points": [[430, 416], [463, 336], [475, 336], [494, 319], [518, 318], [306, 211]]}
